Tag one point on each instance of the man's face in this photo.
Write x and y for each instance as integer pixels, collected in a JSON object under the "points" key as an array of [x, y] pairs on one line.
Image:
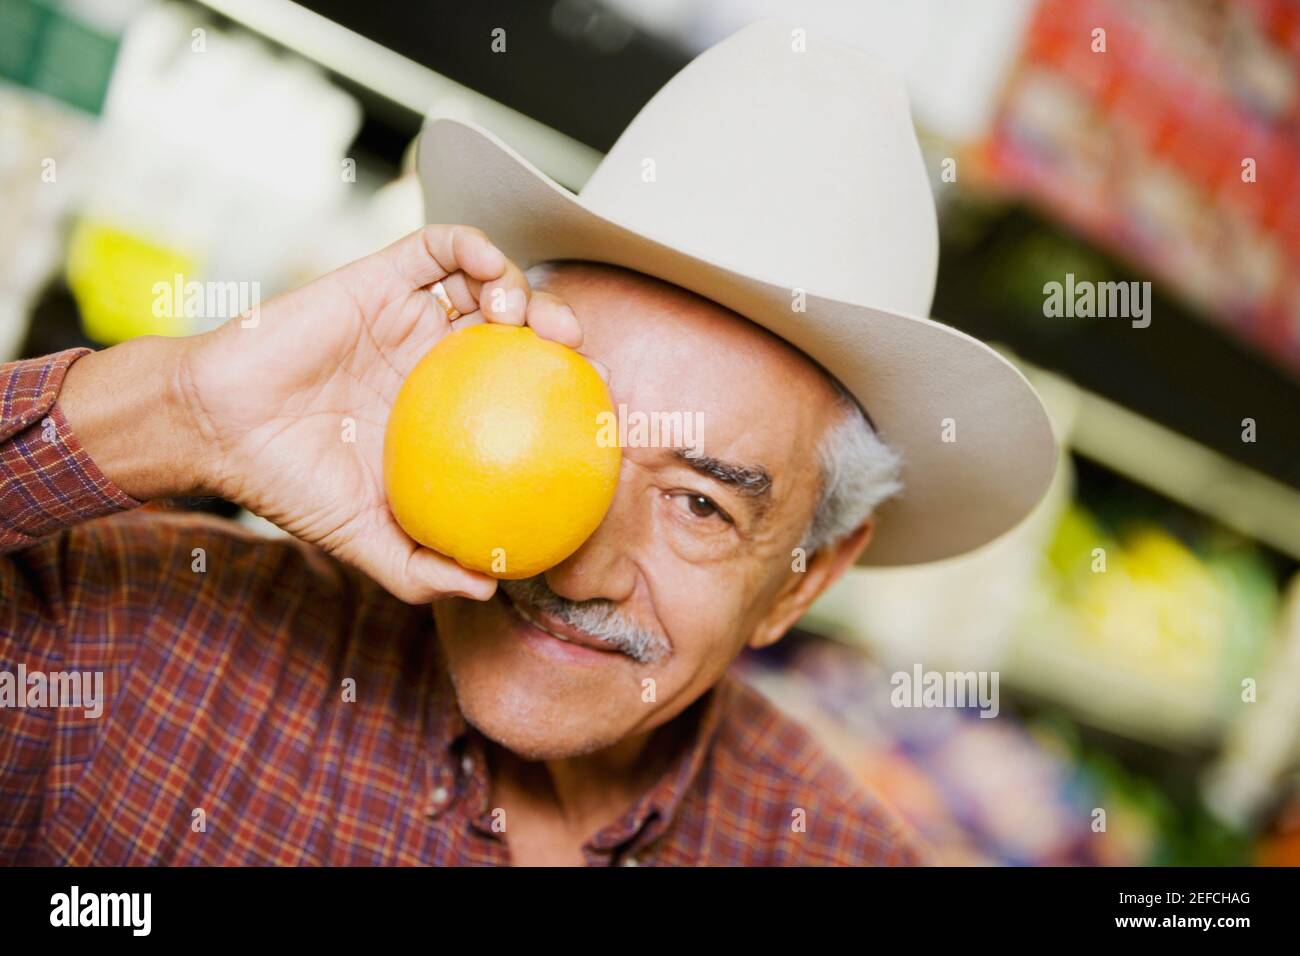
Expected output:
{"points": [[693, 560]]}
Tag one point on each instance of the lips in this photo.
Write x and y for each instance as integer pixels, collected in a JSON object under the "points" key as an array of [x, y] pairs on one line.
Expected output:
{"points": [[556, 628]]}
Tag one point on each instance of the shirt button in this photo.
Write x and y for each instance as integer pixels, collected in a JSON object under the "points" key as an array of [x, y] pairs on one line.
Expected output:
{"points": [[467, 765], [440, 796], [630, 861]]}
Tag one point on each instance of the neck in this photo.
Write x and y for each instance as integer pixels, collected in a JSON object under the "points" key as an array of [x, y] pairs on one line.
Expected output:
{"points": [[587, 792]]}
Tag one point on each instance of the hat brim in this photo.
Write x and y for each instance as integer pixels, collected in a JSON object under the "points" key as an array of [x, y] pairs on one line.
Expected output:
{"points": [[977, 445]]}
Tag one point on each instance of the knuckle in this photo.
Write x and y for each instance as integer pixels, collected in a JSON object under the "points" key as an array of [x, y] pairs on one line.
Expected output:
{"points": [[431, 233], [463, 233]]}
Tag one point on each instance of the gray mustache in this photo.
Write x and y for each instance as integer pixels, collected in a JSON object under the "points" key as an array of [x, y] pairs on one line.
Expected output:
{"points": [[598, 618]]}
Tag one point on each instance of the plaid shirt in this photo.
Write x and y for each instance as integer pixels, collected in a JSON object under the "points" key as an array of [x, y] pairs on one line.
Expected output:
{"points": [[227, 735]]}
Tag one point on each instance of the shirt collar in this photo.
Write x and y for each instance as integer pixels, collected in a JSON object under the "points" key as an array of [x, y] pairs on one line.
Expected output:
{"points": [[651, 815]]}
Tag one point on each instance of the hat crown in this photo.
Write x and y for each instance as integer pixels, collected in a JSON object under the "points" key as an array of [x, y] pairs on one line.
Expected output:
{"points": [[791, 154]]}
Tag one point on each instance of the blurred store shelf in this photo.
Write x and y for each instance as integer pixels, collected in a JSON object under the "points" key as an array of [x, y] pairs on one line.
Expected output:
{"points": [[1180, 468], [1186, 373], [406, 82]]}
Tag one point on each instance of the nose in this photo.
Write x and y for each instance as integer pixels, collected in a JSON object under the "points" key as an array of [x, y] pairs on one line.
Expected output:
{"points": [[605, 566]]}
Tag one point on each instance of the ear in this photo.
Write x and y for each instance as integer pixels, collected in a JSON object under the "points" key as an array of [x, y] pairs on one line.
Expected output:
{"points": [[801, 588]]}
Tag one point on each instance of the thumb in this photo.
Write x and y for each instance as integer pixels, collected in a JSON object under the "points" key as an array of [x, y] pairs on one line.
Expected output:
{"points": [[443, 577]]}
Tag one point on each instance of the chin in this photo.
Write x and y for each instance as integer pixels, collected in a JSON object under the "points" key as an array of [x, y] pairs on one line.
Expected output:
{"points": [[530, 721], [517, 692]]}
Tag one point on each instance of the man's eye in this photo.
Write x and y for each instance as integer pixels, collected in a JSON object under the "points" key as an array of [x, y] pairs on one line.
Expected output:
{"points": [[701, 506]]}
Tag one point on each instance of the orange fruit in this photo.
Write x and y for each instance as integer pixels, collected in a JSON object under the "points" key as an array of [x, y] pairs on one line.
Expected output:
{"points": [[492, 454]]}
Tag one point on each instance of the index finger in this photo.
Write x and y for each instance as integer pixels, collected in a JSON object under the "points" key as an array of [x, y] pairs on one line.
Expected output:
{"points": [[432, 253]]}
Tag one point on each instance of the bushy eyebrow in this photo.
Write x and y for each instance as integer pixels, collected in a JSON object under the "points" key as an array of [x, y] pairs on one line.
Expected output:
{"points": [[751, 481]]}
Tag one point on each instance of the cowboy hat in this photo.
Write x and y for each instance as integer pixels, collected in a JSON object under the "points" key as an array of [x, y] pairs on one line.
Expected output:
{"points": [[779, 175]]}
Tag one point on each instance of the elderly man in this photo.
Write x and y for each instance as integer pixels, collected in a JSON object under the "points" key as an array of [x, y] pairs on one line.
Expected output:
{"points": [[295, 701]]}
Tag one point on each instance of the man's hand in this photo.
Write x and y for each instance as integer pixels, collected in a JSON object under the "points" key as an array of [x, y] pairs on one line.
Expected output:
{"points": [[258, 410]]}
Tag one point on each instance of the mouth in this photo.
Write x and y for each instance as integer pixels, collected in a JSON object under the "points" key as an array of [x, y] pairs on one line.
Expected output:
{"points": [[543, 631]]}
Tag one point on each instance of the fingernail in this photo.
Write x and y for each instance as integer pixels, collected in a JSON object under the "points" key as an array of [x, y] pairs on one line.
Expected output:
{"points": [[601, 368]]}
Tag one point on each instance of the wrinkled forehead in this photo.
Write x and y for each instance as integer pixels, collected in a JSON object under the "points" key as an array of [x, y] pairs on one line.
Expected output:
{"points": [[669, 350]]}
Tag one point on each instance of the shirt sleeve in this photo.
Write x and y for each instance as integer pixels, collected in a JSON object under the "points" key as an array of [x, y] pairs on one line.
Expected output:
{"points": [[48, 481], [70, 600]]}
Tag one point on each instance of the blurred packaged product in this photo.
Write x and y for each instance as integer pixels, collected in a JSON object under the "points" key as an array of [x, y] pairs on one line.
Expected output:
{"points": [[1169, 131], [214, 163]]}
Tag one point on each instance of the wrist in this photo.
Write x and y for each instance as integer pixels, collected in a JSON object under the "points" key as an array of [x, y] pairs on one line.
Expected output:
{"points": [[126, 407]]}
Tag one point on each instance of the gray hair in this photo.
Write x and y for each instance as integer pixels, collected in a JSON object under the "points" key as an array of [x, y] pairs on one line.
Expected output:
{"points": [[859, 472]]}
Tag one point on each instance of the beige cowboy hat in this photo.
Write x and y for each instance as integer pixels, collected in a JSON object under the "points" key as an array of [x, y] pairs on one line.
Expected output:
{"points": [[775, 171]]}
